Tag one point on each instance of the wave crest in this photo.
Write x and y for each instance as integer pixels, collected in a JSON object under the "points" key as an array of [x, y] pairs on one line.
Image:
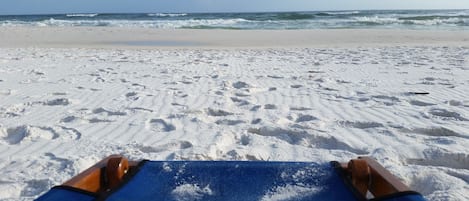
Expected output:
{"points": [[166, 14], [82, 15], [332, 13]]}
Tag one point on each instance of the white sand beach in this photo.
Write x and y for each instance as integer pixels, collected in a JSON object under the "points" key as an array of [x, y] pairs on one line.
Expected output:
{"points": [[70, 96], [145, 38]]}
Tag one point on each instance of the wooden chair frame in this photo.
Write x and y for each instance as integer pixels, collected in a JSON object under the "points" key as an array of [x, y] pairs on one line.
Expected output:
{"points": [[368, 176], [364, 174], [104, 175]]}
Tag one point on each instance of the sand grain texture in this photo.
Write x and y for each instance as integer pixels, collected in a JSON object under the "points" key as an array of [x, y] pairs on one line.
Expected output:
{"points": [[62, 109]]}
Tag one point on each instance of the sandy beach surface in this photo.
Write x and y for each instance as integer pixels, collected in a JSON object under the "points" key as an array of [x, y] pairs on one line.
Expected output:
{"points": [[142, 38], [71, 96]]}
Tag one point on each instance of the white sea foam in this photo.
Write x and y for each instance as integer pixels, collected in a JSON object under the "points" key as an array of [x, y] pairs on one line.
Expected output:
{"points": [[437, 21], [140, 23], [83, 15], [304, 20], [376, 20], [167, 14], [342, 12]]}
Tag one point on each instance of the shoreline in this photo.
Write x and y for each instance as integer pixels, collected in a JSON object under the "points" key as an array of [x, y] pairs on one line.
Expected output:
{"points": [[148, 38]]}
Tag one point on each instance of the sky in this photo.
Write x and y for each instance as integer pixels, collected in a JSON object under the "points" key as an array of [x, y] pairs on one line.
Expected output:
{"points": [[9, 7]]}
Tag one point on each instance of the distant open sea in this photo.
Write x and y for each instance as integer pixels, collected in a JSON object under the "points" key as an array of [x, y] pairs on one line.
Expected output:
{"points": [[385, 19]]}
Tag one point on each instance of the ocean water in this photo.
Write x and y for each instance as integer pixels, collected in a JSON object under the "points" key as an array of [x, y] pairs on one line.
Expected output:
{"points": [[385, 19]]}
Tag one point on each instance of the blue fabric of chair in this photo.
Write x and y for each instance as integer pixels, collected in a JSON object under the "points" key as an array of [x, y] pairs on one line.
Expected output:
{"points": [[234, 181], [227, 181]]}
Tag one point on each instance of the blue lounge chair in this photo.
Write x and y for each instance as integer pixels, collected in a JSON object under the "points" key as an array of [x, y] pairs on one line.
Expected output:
{"points": [[117, 179]]}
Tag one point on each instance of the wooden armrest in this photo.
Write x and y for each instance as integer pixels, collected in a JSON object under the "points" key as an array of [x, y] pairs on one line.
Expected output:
{"points": [[104, 175], [367, 175], [382, 181]]}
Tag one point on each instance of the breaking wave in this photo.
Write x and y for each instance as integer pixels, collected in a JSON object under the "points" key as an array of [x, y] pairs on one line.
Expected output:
{"points": [[167, 14], [394, 19], [82, 15]]}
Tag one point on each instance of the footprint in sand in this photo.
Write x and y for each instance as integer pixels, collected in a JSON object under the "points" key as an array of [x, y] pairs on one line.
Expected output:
{"points": [[108, 112], [434, 132], [218, 112], [420, 103], [360, 125], [133, 109], [256, 121], [255, 108], [59, 93], [132, 95], [98, 120], [160, 125], [447, 115], [69, 119], [12, 111], [138, 86], [240, 94], [57, 102], [296, 86], [245, 140], [275, 76], [300, 108], [229, 122], [270, 107], [301, 137], [240, 85], [439, 157], [239, 101], [458, 103], [35, 187], [305, 118], [172, 146], [27, 133], [386, 100]]}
